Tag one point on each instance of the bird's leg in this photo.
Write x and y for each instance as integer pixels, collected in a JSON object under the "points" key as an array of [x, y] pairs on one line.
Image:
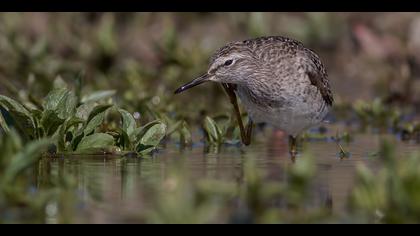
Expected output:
{"points": [[248, 135], [245, 134], [292, 146]]}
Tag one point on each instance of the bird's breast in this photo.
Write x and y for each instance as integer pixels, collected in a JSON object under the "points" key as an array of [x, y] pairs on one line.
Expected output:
{"points": [[261, 106], [262, 98], [288, 111]]}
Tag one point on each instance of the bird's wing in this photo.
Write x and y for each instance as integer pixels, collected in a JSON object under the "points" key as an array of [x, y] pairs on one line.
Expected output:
{"points": [[318, 75], [323, 86]]}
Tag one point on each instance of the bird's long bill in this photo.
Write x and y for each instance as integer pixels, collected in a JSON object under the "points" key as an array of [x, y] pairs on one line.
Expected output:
{"points": [[203, 78]]}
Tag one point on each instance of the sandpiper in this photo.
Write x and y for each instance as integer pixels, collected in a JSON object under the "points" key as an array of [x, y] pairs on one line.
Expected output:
{"points": [[278, 80]]}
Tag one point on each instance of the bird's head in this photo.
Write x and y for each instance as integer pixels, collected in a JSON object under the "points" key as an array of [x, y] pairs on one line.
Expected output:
{"points": [[230, 64]]}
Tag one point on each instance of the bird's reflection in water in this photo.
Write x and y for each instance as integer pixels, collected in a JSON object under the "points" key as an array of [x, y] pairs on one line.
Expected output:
{"points": [[277, 146], [278, 149]]}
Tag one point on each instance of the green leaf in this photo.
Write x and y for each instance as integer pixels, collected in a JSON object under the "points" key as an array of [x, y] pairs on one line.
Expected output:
{"points": [[84, 110], [96, 118], [214, 134], [50, 122], [97, 110], [67, 106], [59, 83], [223, 122], [175, 127], [10, 144], [36, 114], [154, 135], [124, 141], [3, 124], [181, 128], [76, 140], [26, 158], [53, 98], [61, 143], [97, 96], [128, 122], [139, 132], [61, 101], [94, 123], [73, 122], [185, 134], [151, 135], [63, 131], [21, 116], [95, 142]]}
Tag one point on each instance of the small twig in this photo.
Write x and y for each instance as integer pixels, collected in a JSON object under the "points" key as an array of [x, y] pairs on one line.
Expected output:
{"points": [[343, 153]]}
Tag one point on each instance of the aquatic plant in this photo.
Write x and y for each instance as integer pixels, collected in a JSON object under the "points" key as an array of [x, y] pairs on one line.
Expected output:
{"points": [[391, 193], [20, 200], [79, 125], [376, 115], [222, 129], [409, 130]]}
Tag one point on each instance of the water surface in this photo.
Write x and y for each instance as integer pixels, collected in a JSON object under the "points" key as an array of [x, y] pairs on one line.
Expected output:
{"points": [[116, 190]]}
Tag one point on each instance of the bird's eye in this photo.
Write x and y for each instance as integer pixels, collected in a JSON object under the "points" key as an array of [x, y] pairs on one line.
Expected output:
{"points": [[228, 62]]}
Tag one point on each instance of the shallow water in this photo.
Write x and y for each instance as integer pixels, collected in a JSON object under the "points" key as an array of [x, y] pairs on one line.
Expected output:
{"points": [[115, 189]]}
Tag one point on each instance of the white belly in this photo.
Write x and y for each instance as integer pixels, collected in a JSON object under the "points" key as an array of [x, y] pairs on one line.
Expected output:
{"points": [[293, 117]]}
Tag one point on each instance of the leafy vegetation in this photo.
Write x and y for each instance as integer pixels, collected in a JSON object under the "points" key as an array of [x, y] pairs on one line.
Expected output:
{"points": [[391, 195], [80, 127], [19, 201], [101, 87]]}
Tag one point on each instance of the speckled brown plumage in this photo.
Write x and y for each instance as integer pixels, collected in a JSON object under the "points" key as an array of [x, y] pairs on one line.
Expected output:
{"points": [[279, 47], [278, 80]]}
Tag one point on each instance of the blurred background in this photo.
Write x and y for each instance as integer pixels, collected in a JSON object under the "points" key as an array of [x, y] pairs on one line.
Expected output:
{"points": [[145, 56], [373, 62]]}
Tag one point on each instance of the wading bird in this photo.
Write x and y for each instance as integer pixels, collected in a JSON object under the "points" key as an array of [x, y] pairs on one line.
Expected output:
{"points": [[278, 80]]}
